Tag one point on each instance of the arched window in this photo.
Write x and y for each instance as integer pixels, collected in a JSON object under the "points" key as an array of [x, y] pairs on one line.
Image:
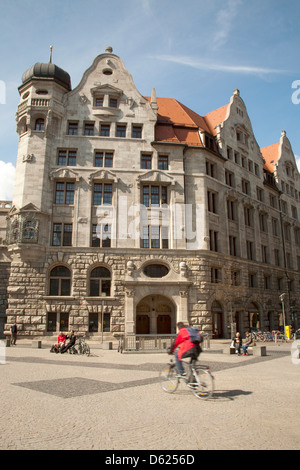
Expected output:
{"points": [[60, 281], [40, 124], [100, 282]]}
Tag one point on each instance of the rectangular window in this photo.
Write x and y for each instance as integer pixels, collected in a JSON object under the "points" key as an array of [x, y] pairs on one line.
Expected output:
{"points": [[105, 130], [215, 274], [136, 132], [277, 257], [163, 162], [104, 159], [264, 254], [99, 101], [101, 236], [62, 235], [263, 223], [212, 201], [252, 280], [275, 227], [121, 130], [229, 178], [154, 195], [113, 102], [232, 245], [51, 321], [66, 158], [93, 322], [89, 128], [210, 169], [155, 236], [73, 128], [229, 153], [250, 250], [246, 187], [64, 193], [260, 194], [146, 162], [102, 194], [267, 282], [213, 240], [235, 278], [231, 209], [248, 215]]}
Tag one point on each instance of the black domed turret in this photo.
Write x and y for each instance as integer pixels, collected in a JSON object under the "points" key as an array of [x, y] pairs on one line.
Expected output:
{"points": [[51, 71]]}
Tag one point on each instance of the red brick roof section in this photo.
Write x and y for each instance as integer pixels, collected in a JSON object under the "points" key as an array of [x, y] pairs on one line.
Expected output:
{"points": [[179, 124], [270, 156]]}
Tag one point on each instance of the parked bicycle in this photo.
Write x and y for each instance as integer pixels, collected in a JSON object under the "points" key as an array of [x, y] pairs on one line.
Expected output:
{"points": [[80, 347], [198, 378]]}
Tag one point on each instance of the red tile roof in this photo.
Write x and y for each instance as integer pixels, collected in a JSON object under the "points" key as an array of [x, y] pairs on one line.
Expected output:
{"points": [[179, 124], [270, 155], [176, 123]]}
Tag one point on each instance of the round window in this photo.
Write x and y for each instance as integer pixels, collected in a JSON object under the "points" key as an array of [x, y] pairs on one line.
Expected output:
{"points": [[156, 270]]}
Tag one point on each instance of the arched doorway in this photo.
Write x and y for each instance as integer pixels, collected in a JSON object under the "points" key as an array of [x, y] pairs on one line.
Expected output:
{"points": [[155, 314]]}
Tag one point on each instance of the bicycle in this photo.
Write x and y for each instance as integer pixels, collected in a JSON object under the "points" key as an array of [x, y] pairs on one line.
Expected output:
{"points": [[80, 347], [198, 378]]}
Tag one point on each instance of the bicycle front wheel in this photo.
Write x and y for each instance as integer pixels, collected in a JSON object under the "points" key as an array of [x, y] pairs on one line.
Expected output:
{"points": [[203, 386], [168, 380]]}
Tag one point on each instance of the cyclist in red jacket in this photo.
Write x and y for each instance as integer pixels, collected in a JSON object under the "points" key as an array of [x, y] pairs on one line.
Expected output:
{"points": [[187, 348]]}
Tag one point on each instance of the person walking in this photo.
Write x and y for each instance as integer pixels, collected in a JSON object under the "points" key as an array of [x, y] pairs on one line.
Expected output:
{"points": [[13, 331]]}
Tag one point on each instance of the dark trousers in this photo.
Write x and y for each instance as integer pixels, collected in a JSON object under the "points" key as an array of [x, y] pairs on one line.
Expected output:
{"points": [[65, 348]]}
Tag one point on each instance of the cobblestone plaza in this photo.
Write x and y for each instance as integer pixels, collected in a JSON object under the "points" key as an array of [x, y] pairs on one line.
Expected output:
{"points": [[112, 401]]}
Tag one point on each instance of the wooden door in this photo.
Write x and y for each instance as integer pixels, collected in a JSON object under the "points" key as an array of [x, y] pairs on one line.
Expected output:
{"points": [[163, 324], [142, 325]]}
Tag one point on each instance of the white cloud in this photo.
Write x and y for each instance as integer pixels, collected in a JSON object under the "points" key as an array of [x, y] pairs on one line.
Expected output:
{"points": [[297, 158], [7, 178], [225, 19], [202, 65]]}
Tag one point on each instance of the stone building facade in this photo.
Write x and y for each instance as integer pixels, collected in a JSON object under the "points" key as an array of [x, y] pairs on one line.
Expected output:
{"points": [[131, 213]]}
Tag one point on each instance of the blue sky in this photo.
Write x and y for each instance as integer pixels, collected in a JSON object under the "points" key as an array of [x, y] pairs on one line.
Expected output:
{"points": [[197, 51]]}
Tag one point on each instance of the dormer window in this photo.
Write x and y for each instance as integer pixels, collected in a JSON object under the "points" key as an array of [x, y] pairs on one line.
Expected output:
{"points": [[106, 99]]}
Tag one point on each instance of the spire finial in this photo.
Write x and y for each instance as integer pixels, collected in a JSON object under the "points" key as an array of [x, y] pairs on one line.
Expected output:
{"points": [[153, 102], [51, 49]]}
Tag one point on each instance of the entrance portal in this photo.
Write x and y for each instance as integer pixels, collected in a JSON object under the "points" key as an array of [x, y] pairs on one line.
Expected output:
{"points": [[155, 314]]}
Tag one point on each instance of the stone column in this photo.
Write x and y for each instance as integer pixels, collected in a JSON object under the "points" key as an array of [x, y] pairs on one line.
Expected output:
{"points": [[129, 312]]}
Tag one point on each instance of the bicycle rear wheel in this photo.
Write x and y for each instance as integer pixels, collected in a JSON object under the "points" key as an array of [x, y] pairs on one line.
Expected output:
{"points": [[168, 380], [203, 386]]}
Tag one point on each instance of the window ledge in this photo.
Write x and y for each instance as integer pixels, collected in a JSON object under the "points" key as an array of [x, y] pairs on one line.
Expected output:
{"points": [[101, 298], [58, 297]]}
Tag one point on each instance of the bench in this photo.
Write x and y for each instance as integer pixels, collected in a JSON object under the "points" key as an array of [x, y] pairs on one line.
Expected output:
{"points": [[255, 351]]}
